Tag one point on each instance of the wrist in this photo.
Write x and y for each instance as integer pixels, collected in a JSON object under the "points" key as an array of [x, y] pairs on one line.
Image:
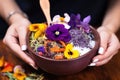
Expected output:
{"points": [[15, 16]]}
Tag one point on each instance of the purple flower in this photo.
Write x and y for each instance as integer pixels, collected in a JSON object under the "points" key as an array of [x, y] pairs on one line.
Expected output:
{"points": [[58, 32], [85, 23], [41, 49], [74, 20]]}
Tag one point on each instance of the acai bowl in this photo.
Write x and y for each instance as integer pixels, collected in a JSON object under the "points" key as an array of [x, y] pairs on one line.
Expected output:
{"points": [[64, 47]]}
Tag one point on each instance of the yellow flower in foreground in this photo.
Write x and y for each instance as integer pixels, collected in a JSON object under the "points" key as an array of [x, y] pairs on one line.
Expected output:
{"points": [[20, 76], [71, 53], [19, 73], [39, 29]]}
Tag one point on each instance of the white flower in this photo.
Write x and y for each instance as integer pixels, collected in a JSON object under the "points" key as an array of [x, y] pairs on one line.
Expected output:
{"points": [[67, 17], [64, 21], [66, 25], [56, 18]]}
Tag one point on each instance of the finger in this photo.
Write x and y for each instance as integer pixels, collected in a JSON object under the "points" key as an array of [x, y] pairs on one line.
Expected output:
{"points": [[102, 62], [99, 63], [111, 50], [12, 43], [113, 46], [22, 33], [104, 56]]}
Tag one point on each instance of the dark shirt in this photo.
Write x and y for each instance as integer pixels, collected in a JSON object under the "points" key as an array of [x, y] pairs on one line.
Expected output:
{"points": [[95, 8]]}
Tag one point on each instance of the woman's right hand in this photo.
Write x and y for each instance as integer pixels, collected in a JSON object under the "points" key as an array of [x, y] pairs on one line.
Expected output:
{"points": [[15, 37]]}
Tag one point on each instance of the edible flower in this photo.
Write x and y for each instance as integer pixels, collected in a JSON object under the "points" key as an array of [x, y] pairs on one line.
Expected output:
{"points": [[19, 73], [71, 53], [59, 56], [58, 32], [2, 61], [41, 49], [54, 47], [62, 20], [85, 23], [39, 29], [74, 20], [7, 67]]}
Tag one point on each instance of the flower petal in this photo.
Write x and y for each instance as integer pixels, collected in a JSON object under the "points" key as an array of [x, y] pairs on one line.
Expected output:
{"points": [[2, 61], [7, 68], [67, 17], [56, 19], [34, 27], [18, 68], [37, 34], [87, 19]]}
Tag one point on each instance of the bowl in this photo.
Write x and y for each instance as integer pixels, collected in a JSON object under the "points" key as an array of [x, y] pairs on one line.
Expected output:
{"points": [[65, 67]]}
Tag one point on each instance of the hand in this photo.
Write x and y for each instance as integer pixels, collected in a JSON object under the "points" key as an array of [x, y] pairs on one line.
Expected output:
{"points": [[109, 46], [15, 37]]}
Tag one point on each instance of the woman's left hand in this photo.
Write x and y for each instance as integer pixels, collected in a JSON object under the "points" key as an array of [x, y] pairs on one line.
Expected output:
{"points": [[109, 46]]}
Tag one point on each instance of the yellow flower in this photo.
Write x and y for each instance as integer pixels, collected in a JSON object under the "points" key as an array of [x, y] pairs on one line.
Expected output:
{"points": [[71, 53], [38, 26], [34, 27], [39, 29], [43, 27], [69, 46], [37, 34], [19, 73]]}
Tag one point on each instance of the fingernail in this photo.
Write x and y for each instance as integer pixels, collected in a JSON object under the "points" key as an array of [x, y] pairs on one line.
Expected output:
{"points": [[95, 60], [101, 50], [92, 64], [36, 68], [24, 47]]}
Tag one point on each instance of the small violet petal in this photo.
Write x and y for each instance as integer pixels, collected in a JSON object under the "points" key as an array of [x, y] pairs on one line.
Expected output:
{"points": [[87, 19]]}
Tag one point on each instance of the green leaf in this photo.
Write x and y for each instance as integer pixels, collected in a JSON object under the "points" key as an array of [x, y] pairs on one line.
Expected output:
{"points": [[10, 76]]}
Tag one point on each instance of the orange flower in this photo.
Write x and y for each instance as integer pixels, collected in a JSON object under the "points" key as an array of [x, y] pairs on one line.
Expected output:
{"points": [[55, 48], [59, 57], [7, 67], [2, 61]]}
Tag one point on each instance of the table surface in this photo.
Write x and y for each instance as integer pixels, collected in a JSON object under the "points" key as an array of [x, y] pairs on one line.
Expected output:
{"points": [[109, 71]]}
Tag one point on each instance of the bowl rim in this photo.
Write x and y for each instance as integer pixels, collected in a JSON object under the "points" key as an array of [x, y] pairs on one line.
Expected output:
{"points": [[97, 43]]}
